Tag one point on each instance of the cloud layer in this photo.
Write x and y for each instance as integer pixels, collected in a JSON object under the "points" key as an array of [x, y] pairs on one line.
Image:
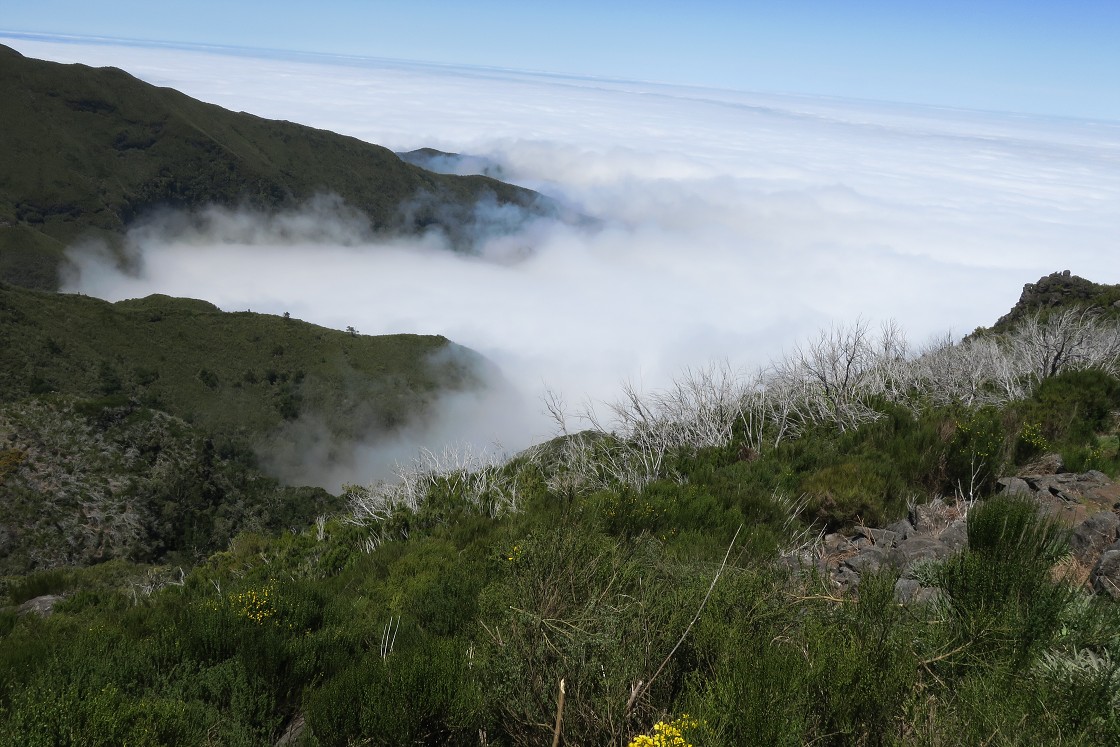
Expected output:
{"points": [[731, 224]]}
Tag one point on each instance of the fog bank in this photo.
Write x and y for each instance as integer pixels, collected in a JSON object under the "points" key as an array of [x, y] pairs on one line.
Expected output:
{"points": [[729, 225]]}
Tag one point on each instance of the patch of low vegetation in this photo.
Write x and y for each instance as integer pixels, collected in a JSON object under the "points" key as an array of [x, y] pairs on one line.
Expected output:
{"points": [[236, 375], [648, 581], [135, 430]]}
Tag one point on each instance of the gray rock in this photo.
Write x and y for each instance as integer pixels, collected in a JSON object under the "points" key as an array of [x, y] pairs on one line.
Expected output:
{"points": [[1092, 536], [845, 578], [955, 536], [916, 549], [901, 529], [1014, 486], [869, 560], [1105, 576], [293, 732], [1047, 464], [905, 589], [928, 595], [932, 517], [884, 537], [42, 606]]}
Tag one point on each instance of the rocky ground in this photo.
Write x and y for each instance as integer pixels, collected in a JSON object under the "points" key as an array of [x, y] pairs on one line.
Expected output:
{"points": [[1087, 502]]}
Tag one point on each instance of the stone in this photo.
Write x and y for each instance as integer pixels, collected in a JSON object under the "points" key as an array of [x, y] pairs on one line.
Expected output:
{"points": [[42, 606], [1093, 535], [869, 560], [845, 578], [913, 550], [1047, 464], [928, 595], [955, 536], [884, 537], [901, 528], [293, 733], [1105, 576], [1014, 486], [905, 589], [932, 517]]}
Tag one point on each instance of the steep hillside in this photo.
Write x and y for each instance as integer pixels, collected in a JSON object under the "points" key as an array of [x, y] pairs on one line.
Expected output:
{"points": [[135, 429], [241, 375], [665, 578], [87, 481], [91, 149], [1061, 290]]}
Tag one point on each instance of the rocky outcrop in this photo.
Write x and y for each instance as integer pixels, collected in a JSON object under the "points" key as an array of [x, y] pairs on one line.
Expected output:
{"points": [[932, 531], [1056, 290], [1087, 502]]}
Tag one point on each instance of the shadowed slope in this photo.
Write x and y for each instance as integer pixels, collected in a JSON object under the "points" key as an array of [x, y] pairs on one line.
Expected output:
{"points": [[90, 149]]}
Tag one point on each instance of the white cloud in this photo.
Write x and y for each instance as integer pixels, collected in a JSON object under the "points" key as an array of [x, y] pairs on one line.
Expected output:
{"points": [[733, 223]]}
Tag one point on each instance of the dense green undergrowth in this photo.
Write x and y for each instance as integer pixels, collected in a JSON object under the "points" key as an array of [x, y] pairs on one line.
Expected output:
{"points": [[453, 620], [640, 579]]}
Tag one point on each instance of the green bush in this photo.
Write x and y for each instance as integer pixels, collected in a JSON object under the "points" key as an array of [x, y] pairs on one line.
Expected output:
{"points": [[1000, 599]]}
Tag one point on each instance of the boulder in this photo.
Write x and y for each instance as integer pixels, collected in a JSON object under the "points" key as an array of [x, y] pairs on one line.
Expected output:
{"points": [[955, 536], [913, 550], [42, 606], [901, 529], [1072, 498], [1105, 576], [845, 578], [1047, 464], [869, 560], [932, 517], [1014, 486], [1090, 538], [905, 589]]}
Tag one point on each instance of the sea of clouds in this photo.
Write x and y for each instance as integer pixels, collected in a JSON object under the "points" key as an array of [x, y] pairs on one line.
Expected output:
{"points": [[728, 225]]}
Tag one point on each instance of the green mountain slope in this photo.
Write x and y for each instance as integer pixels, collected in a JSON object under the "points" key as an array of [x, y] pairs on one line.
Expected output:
{"points": [[91, 149], [132, 429], [241, 375], [658, 584]]}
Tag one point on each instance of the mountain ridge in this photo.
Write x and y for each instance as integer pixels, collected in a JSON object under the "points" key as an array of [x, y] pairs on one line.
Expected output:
{"points": [[89, 150]]}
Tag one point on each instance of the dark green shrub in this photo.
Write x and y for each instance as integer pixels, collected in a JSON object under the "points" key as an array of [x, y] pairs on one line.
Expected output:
{"points": [[422, 693], [846, 493], [1073, 407], [999, 596], [51, 581]]}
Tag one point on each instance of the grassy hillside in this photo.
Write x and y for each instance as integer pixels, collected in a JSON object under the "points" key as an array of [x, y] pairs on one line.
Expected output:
{"points": [[83, 482], [239, 375], [135, 429], [657, 580], [88, 150]]}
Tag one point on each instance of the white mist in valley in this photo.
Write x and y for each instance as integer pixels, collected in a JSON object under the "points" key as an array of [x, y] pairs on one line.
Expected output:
{"points": [[727, 225]]}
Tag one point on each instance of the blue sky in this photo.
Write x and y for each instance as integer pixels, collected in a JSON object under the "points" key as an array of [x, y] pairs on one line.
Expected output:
{"points": [[1038, 57]]}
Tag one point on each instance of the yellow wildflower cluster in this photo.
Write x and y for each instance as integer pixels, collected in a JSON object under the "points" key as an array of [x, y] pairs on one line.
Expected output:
{"points": [[514, 553], [254, 605], [1032, 436], [667, 733]]}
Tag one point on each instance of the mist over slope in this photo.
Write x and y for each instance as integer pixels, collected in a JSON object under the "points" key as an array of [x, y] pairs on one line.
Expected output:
{"points": [[726, 224], [299, 395], [91, 150]]}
